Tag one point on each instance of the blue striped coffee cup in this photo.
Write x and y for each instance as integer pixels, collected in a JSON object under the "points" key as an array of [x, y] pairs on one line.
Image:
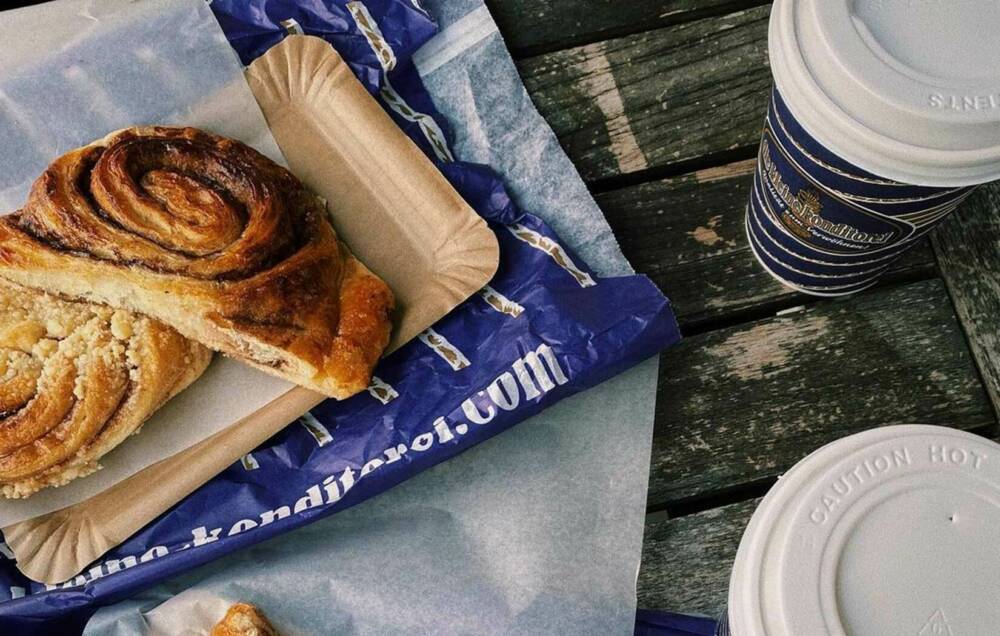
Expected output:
{"points": [[824, 226], [884, 118]]}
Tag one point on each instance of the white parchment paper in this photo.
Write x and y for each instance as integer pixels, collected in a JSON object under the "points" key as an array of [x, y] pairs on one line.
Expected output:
{"points": [[73, 71], [537, 531]]}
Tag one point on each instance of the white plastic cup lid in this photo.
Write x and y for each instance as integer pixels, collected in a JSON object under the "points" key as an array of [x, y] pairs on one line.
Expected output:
{"points": [[908, 90], [893, 531]]}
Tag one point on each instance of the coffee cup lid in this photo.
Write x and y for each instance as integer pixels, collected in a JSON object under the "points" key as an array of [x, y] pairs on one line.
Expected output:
{"points": [[906, 90], [892, 531]]}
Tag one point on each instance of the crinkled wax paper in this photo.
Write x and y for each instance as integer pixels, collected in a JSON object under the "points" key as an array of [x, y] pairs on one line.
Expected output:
{"points": [[537, 530]]}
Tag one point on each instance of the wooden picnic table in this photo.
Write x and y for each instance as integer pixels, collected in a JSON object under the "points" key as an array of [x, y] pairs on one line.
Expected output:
{"points": [[660, 104]]}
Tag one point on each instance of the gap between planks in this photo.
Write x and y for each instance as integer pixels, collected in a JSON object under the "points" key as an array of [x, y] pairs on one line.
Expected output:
{"points": [[741, 405], [967, 246], [688, 94], [537, 27]]}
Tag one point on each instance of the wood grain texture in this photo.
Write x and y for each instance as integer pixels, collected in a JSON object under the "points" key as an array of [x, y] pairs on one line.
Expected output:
{"points": [[535, 26], [742, 404], [686, 562], [656, 98], [659, 94], [968, 249], [687, 234]]}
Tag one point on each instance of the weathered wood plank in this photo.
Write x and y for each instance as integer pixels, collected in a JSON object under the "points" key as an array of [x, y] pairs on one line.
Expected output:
{"points": [[536, 26], [968, 249], [742, 404], [687, 234], [686, 562], [656, 98]]}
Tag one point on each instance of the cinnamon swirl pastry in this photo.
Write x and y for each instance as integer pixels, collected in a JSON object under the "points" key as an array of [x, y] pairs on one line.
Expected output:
{"points": [[76, 379], [211, 238]]}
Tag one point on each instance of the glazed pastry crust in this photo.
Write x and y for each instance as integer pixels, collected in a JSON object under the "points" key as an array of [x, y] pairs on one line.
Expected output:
{"points": [[244, 619], [76, 379], [212, 238]]}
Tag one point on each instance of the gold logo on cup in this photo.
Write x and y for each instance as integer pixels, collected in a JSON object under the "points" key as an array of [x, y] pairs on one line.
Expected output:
{"points": [[802, 213]]}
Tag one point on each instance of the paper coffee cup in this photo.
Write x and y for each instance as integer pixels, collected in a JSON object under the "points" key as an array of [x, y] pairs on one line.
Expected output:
{"points": [[885, 116], [893, 531]]}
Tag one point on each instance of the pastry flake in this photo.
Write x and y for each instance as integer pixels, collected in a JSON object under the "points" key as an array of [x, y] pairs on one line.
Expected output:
{"points": [[244, 619]]}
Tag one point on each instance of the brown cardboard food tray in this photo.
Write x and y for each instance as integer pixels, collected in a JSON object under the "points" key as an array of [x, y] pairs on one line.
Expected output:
{"points": [[389, 204]]}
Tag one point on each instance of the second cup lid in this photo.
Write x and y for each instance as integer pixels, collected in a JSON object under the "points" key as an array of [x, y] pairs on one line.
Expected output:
{"points": [[907, 90], [893, 531]]}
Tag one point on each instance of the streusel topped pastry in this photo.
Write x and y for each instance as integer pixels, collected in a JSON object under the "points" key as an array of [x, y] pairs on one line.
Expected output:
{"points": [[76, 379]]}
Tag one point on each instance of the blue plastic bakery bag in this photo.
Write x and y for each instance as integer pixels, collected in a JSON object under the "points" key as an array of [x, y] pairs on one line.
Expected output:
{"points": [[545, 328], [657, 623]]}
